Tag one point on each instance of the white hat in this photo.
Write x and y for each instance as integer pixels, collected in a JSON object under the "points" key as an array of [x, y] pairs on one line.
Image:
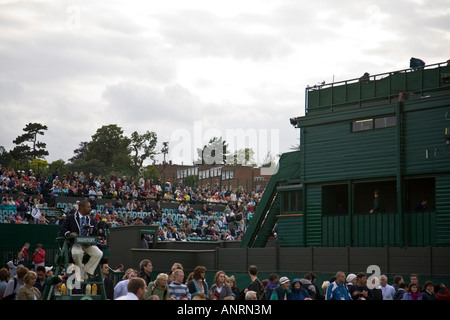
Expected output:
{"points": [[350, 277], [284, 280]]}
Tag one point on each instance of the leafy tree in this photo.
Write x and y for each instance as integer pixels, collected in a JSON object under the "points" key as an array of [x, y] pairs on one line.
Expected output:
{"points": [[39, 165], [244, 157], [94, 165], [5, 157], [165, 150], [151, 172], [143, 147], [79, 153], [110, 147], [24, 152]]}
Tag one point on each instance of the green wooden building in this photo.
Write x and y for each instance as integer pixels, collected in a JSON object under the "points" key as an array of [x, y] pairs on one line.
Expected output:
{"points": [[388, 132]]}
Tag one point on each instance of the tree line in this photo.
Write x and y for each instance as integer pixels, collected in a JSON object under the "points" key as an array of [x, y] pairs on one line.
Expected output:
{"points": [[109, 150]]}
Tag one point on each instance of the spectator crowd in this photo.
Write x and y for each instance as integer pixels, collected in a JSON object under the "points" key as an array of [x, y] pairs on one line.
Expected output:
{"points": [[22, 283], [131, 202]]}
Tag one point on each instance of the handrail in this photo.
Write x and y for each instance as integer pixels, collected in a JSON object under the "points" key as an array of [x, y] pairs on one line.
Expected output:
{"points": [[365, 80]]}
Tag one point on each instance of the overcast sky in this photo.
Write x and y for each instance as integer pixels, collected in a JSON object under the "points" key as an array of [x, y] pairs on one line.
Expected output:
{"points": [[196, 69]]}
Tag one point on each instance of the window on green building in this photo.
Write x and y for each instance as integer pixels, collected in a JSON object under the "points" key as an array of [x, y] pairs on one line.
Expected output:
{"points": [[385, 122], [362, 125], [364, 196], [374, 123], [420, 195], [335, 199], [292, 201]]}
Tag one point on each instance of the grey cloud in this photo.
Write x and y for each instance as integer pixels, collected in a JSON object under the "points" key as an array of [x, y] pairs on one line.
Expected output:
{"points": [[202, 33]]}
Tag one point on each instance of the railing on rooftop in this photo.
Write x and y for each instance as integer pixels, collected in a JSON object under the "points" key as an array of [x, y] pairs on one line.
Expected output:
{"points": [[376, 89]]}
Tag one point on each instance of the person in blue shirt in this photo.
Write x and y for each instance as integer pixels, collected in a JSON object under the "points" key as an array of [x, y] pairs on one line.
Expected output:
{"points": [[387, 290], [337, 290], [298, 292]]}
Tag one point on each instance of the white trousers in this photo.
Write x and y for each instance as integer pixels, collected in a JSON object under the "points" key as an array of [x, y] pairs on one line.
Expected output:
{"points": [[95, 255]]}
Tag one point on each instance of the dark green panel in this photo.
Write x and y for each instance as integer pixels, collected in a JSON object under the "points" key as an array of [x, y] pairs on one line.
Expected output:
{"points": [[333, 152], [14, 236], [425, 148], [290, 231], [420, 229], [313, 218], [443, 210], [375, 230], [381, 87], [335, 231]]}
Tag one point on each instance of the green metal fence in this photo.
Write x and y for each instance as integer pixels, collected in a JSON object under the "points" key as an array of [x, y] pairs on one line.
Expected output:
{"points": [[14, 236]]}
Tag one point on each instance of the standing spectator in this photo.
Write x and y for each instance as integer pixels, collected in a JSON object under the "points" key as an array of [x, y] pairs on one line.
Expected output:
{"points": [[36, 213], [40, 281], [159, 287], [198, 287], [396, 282], [298, 292], [177, 289], [309, 286], [255, 284], [121, 287], [400, 291], [136, 290], [39, 256], [234, 288], [273, 283], [337, 290], [387, 290], [145, 268], [441, 296], [351, 282], [319, 295], [428, 291], [24, 250], [15, 283], [414, 278], [4, 277], [220, 290], [376, 290], [21, 259], [28, 291], [107, 281], [413, 292], [378, 203], [360, 290], [11, 268]]}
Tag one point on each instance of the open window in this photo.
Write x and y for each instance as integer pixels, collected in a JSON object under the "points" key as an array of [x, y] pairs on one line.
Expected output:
{"points": [[335, 199], [364, 196], [419, 190]]}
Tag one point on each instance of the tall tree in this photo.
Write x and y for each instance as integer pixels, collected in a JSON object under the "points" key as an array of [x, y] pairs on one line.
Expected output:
{"points": [[165, 150], [79, 153], [110, 147], [143, 147], [5, 157], [244, 157], [25, 152]]}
